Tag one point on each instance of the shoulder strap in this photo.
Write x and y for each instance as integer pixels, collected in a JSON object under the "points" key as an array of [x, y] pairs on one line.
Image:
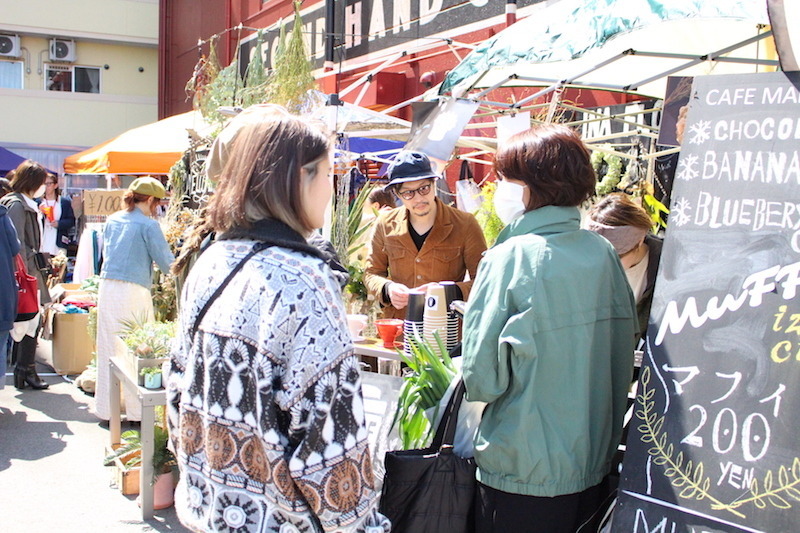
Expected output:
{"points": [[446, 431], [256, 248]]}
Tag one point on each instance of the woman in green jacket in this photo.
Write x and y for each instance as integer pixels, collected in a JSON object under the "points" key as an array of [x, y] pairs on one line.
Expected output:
{"points": [[548, 344]]}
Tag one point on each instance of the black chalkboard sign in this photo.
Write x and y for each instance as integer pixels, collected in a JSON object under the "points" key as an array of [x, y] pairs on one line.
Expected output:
{"points": [[714, 442]]}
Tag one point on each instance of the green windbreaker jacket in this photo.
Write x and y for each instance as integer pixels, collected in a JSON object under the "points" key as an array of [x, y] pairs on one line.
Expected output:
{"points": [[548, 344]]}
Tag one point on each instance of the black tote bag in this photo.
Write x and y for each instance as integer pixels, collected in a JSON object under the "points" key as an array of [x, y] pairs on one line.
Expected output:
{"points": [[431, 490]]}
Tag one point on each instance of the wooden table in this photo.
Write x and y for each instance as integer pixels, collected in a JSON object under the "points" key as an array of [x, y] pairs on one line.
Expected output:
{"points": [[388, 360], [148, 399]]}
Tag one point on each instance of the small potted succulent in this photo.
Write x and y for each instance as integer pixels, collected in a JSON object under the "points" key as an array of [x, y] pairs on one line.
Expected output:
{"points": [[152, 377], [148, 344]]}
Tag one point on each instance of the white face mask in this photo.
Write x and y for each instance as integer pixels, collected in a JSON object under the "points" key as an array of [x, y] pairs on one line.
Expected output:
{"points": [[508, 201], [39, 192]]}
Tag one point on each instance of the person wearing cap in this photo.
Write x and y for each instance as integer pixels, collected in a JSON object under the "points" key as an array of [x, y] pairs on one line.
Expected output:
{"points": [[132, 242], [422, 242], [628, 228]]}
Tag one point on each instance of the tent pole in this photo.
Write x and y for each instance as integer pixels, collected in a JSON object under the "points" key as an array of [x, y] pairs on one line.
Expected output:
{"points": [[713, 56], [554, 101], [371, 73], [493, 87]]}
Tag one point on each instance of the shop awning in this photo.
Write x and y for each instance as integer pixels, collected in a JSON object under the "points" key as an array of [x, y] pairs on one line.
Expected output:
{"points": [[9, 160], [620, 45], [149, 149]]}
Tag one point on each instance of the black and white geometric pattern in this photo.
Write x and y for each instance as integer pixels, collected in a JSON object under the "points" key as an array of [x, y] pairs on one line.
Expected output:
{"points": [[265, 407]]}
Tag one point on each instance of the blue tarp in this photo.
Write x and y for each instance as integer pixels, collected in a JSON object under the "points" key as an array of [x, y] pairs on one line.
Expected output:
{"points": [[9, 160]]}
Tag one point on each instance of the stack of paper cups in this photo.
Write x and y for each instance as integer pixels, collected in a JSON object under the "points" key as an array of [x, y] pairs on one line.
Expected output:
{"points": [[435, 316], [412, 326], [452, 293]]}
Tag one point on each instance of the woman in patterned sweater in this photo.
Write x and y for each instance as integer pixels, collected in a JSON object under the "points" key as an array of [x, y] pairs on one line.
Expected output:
{"points": [[265, 406]]}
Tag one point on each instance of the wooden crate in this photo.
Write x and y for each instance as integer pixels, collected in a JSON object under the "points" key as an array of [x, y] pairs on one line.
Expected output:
{"points": [[126, 479]]}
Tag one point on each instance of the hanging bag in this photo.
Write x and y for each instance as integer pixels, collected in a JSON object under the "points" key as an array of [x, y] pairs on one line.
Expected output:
{"points": [[27, 292], [431, 490]]}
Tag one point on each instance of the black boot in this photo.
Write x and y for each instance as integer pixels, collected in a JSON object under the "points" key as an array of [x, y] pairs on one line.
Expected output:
{"points": [[25, 369], [19, 378], [33, 379]]}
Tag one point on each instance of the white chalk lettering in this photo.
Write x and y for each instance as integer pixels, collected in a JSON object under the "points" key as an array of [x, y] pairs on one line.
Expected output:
{"points": [[765, 128], [779, 95], [640, 525], [755, 214], [754, 287], [735, 475], [752, 166], [738, 96]]}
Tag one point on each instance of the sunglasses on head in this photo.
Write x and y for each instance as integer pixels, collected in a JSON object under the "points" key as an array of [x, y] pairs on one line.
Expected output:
{"points": [[409, 193]]}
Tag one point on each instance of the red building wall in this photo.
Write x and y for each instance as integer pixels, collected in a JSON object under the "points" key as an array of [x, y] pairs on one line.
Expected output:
{"points": [[365, 32]]}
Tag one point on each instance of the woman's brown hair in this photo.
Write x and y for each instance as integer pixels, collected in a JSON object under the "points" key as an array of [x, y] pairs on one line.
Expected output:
{"points": [[130, 199], [618, 209], [28, 177], [552, 161], [261, 177]]}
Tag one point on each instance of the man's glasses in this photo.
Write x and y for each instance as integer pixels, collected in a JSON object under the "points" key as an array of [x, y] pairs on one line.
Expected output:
{"points": [[409, 194]]}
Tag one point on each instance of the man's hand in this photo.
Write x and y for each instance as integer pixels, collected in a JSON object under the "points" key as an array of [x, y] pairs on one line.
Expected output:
{"points": [[422, 288], [398, 295]]}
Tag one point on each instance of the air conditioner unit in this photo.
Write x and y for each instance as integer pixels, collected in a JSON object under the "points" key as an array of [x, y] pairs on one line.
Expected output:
{"points": [[9, 46], [62, 50]]}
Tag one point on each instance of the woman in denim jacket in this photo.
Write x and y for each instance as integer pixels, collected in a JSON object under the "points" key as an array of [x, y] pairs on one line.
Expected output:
{"points": [[132, 242]]}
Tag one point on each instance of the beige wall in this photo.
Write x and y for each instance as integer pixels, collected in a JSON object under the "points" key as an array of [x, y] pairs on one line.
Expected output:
{"points": [[106, 19], [122, 34]]}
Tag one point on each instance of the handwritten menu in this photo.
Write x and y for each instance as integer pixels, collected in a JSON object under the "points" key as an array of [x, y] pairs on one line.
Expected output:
{"points": [[714, 442]]}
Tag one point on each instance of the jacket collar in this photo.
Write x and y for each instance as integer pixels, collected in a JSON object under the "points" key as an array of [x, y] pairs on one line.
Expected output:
{"points": [[18, 197], [543, 221], [273, 233]]}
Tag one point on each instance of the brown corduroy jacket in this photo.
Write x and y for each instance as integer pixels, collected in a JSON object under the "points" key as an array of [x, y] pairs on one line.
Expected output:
{"points": [[454, 247]]}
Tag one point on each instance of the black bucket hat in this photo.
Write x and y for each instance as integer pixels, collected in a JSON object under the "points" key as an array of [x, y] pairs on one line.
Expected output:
{"points": [[409, 166]]}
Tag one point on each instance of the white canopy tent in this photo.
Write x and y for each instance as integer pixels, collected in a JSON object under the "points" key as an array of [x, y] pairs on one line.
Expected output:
{"points": [[622, 46]]}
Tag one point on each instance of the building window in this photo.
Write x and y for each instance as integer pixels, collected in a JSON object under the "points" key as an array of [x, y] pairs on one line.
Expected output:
{"points": [[73, 79], [11, 74]]}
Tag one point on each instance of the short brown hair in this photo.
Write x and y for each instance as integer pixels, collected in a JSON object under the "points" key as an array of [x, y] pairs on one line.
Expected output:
{"points": [[261, 177], [384, 198], [130, 199], [552, 161], [618, 209], [28, 177]]}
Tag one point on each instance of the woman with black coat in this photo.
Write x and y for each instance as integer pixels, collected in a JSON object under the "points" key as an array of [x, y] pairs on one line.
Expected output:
{"points": [[27, 184]]}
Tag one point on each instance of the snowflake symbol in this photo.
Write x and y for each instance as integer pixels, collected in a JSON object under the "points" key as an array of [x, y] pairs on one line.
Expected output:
{"points": [[686, 168], [681, 212], [701, 132]]}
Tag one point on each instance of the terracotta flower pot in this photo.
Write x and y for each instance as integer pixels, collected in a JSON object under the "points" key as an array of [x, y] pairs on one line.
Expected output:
{"points": [[164, 491]]}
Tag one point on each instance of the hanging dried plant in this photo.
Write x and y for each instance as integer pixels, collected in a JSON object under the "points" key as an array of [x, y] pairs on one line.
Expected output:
{"points": [[225, 90], [205, 72], [291, 76], [256, 89]]}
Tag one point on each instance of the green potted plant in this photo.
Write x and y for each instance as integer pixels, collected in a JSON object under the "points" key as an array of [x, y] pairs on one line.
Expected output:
{"points": [[151, 376], [429, 373], [129, 457], [148, 344]]}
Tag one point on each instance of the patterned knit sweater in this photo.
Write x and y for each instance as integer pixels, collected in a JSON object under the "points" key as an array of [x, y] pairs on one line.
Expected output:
{"points": [[265, 407]]}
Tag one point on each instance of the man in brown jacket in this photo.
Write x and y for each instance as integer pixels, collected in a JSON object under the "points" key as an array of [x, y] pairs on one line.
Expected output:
{"points": [[422, 242]]}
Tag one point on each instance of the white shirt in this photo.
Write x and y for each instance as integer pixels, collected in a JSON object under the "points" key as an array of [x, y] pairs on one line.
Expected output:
{"points": [[637, 277]]}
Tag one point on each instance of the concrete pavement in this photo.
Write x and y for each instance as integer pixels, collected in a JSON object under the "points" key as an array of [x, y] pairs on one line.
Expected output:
{"points": [[52, 477]]}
